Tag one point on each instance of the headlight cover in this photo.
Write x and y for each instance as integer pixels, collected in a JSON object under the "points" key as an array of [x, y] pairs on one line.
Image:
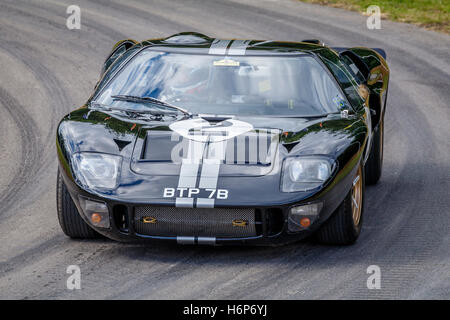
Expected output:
{"points": [[97, 170], [305, 173]]}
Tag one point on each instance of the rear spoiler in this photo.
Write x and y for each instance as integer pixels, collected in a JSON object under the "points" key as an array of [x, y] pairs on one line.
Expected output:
{"points": [[379, 50]]}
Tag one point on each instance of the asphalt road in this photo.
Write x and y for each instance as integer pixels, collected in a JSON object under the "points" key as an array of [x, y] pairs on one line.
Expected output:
{"points": [[46, 70]]}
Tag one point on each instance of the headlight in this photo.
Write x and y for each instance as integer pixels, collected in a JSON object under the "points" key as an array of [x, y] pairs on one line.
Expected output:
{"points": [[96, 170], [305, 173]]}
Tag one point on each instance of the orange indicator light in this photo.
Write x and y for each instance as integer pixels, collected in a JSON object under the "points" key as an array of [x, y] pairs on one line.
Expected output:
{"points": [[305, 222], [96, 218]]}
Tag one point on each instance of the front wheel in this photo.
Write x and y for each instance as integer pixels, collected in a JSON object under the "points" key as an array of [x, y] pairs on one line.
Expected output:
{"points": [[69, 219], [344, 225]]}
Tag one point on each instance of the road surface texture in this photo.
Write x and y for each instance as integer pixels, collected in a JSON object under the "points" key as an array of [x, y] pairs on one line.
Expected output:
{"points": [[46, 70]]}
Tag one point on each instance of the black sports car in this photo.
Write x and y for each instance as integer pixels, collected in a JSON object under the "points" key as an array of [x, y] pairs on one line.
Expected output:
{"points": [[209, 141]]}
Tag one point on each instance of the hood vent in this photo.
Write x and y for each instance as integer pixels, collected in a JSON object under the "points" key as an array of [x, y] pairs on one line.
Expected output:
{"points": [[246, 149]]}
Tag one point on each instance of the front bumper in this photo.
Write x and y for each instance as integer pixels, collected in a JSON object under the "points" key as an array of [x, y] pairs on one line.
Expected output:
{"points": [[271, 222]]}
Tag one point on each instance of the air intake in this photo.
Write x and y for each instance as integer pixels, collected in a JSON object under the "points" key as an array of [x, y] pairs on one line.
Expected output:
{"points": [[201, 222]]}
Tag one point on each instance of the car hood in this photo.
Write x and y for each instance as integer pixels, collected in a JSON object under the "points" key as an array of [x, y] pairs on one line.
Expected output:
{"points": [[250, 146]]}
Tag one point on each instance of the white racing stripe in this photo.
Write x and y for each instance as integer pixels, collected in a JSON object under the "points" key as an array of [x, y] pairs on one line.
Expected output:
{"points": [[206, 149], [188, 174], [191, 164], [219, 46], [189, 171], [205, 203], [206, 240], [186, 240], [238, 47], [211, 164], [184, 202], [210, 174]]}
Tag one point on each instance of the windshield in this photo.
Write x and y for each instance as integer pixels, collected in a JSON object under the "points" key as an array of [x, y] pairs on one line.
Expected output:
{"points": [[227, 85]]}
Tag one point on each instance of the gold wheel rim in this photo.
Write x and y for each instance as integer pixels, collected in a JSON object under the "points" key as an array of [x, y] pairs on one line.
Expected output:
{"points": [[357, 197]]}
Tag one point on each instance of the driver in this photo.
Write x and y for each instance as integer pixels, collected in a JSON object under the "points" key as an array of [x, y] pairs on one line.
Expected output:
{"points": [[187, 81]]}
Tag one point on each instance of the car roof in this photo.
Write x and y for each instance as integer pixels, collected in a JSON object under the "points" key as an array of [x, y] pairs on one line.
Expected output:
{"points": [[197, 43]]}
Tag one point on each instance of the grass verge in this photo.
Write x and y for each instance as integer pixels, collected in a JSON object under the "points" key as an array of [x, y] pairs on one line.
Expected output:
{"points": [[430, 14]]}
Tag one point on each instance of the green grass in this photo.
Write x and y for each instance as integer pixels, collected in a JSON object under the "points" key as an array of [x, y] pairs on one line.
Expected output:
{"points": [[431, 14]]}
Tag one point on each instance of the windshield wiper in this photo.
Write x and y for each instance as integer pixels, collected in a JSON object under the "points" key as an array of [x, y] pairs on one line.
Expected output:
{"points": [[313, 116], [157, 113], [151, 100]]}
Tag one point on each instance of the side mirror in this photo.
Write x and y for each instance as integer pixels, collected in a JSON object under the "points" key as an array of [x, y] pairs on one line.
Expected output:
{"points": [[118, 49]]}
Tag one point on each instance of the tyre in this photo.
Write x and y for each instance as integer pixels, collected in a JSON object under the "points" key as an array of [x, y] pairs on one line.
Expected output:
{"points": [[344, 225], [374, 164], [69, 219]]}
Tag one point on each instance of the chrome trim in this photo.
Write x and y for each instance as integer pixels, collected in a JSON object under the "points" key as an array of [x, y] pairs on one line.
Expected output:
{"points": [[206, 240], [185, 240]]}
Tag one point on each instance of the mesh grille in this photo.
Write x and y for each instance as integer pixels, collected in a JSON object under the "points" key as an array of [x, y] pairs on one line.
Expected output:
{"points": [[202, 222]]}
